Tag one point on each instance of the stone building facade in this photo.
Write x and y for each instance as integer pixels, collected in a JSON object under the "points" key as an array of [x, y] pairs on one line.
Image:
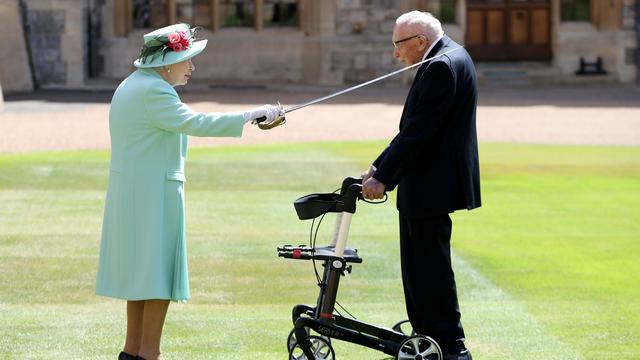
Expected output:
{"points": [[67, 43]]}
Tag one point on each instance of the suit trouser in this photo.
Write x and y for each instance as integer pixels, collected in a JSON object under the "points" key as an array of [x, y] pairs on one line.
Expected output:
{"points": [[429, 284]]}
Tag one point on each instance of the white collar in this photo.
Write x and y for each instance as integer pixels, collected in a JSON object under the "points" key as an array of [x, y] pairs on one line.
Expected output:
{"points": [[431, 47]]}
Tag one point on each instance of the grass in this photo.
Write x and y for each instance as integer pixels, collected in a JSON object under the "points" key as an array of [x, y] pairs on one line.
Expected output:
{"points": [[560, 231], [548, 268]]}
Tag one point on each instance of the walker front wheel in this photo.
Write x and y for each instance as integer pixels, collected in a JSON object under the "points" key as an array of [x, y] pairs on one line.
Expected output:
{"points": [[320, 348], [419, 347], [291, 339], [404, 327]]}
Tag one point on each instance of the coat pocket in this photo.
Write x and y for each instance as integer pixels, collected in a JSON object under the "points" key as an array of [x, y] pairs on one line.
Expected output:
{"points": [[176, 176]]}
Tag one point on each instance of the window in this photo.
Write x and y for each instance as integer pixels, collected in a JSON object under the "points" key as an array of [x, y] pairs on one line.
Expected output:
{"points": [[149, 14], [575, 10], [444, 10], [280, 13], [258, 13], [212, 14], [236, 13], [194, 12], [447, 11], [141, 14]]}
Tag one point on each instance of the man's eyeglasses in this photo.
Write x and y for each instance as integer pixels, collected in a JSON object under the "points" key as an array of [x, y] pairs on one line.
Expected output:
{"points": [[395, 43]]}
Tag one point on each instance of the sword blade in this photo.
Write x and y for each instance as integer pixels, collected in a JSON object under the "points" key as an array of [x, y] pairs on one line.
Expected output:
{"points": [[315, 101]]}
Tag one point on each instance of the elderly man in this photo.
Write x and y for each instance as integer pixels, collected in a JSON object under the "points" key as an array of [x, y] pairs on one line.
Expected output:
{"points": [[433, 160]]}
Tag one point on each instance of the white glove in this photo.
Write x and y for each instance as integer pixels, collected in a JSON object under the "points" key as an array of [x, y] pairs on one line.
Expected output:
{"points": [[268, 112]]}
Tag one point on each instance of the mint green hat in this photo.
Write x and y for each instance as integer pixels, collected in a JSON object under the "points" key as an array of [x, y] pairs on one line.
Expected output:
{"points": [[169, 45]]}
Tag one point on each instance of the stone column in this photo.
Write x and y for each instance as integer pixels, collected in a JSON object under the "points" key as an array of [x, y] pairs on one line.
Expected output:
{"points": [[57, 41], [318, 25], [637, 41], [15, 73], [1, 99]]}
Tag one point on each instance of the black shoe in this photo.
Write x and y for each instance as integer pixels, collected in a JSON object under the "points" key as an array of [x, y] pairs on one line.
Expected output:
{"points": [[459, 355], [124, 356]]}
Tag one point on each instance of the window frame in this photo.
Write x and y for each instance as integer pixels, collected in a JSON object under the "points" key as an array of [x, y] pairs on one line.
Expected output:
{"points": [[590, 15], [435, 7], [123, 15]]}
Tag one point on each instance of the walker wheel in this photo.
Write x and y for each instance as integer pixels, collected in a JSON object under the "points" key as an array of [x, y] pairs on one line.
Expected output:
{"points": [[291, 339], [320, 348], [404, 327], [419, 347]]}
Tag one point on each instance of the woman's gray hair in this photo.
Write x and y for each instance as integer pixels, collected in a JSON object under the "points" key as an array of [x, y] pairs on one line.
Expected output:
{"points": [[422, 23]]}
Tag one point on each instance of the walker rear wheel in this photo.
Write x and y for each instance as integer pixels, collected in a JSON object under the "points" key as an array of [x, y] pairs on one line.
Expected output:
{"points": [[419, 347], [320, 348], [404, 327]]}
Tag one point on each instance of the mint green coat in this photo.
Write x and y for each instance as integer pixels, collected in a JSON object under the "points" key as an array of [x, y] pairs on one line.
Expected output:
{"points": [[143, 253]]}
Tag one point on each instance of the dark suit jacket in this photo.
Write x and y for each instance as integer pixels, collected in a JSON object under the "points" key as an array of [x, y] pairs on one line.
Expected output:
{"points": [[433, 160]]}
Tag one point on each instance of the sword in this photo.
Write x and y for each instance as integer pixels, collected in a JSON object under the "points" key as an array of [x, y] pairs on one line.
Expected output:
{"points": [[315, 101], [281, 119]]}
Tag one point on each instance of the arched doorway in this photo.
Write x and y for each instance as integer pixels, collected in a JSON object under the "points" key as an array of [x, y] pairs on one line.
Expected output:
{"points": [[509, 30]]}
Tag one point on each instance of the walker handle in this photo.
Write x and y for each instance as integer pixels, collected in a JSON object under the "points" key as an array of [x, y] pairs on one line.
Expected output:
{"points": [[348, 182], [352, 194]]}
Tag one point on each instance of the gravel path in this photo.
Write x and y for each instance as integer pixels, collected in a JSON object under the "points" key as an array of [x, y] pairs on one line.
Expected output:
{"points": [[63, 120]]}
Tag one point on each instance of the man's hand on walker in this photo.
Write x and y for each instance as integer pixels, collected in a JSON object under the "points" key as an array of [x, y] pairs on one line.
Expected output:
{"points": [[373, 189], [367, 174]]}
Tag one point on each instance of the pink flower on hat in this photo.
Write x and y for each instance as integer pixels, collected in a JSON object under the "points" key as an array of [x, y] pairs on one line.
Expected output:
{"points": [[178, 40], [177, 47], [174, 37]]}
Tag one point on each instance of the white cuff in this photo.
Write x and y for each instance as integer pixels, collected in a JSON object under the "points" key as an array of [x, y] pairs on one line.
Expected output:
{"points": [[247, 116]]}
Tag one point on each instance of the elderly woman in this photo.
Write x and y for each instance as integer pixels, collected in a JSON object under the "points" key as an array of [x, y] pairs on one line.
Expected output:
{"points": [[143, 254]]}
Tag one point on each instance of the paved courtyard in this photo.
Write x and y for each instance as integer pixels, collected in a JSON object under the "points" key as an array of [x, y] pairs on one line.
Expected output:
{"points": [[75, 120]]}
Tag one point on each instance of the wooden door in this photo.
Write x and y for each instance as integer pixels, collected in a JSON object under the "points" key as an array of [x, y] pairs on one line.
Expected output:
{"points": [[513, 30]]}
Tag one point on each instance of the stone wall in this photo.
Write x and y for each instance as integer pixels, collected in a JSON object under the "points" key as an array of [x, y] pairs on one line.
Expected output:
{"points": [[361, 48], [242, 55], [245, 55], [366, 17], [574, 40], [339, 42]]}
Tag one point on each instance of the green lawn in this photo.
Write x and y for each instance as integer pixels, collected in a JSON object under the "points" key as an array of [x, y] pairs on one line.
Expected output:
{"points": [[548, 268]]}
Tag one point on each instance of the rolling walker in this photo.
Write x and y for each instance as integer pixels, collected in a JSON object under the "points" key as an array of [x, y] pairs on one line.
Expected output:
{"points": [[316, 326]]}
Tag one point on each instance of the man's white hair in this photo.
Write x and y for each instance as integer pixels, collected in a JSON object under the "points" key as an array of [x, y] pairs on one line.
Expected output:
{"points": [[422, 23]]}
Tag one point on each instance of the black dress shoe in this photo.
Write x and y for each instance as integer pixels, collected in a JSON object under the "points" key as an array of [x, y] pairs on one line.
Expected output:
{"points": [[459, 355], [124, 356]]}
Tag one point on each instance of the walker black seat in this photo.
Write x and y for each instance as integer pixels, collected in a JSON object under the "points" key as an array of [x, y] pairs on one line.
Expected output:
{"points": [[314, 205], [326, 253]]}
